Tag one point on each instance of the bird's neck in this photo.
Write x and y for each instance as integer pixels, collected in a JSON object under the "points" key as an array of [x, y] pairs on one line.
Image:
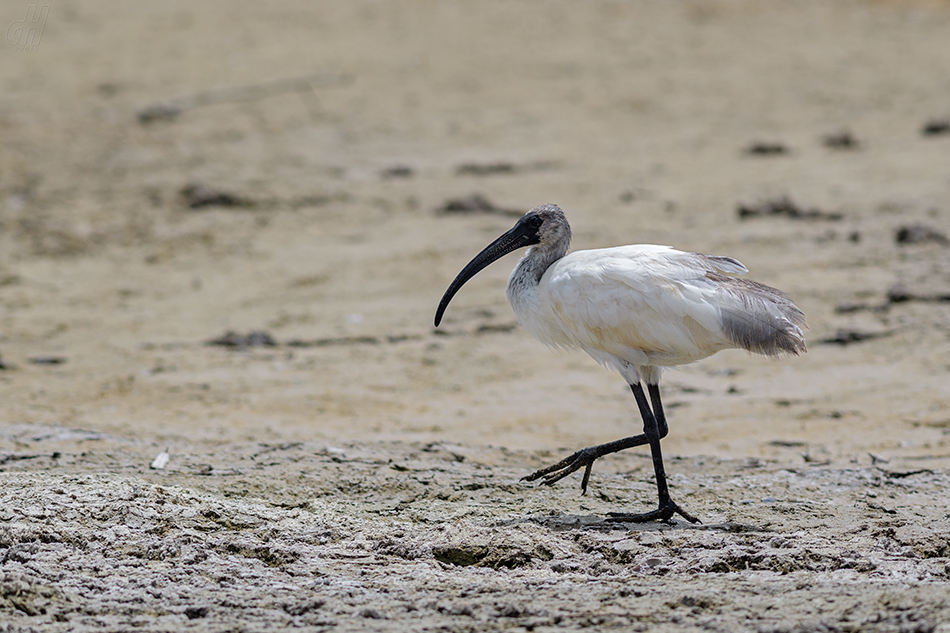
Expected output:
{"points": [[524, 294], [533, 265], [526, 277]]}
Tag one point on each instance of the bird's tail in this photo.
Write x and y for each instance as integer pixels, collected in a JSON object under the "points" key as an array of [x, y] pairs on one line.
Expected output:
{"points": [[761, 319]]}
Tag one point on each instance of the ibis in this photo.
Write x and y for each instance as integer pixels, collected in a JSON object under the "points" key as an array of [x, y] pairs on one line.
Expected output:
{"points": [[636, 310]]}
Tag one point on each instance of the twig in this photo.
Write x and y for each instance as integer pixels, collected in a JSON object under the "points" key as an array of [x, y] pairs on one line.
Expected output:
{"points": [[169, 109]]}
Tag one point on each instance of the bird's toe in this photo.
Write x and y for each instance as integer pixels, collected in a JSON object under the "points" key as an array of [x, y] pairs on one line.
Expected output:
{"points": [[664, 513], [555, 473]]}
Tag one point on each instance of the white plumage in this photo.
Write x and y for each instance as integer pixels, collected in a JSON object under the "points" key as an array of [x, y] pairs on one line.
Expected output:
{"points": [[634, 309], [651, 306]]}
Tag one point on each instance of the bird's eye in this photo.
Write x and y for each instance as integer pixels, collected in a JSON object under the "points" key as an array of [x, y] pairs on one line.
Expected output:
{"points": [[535, 222]]}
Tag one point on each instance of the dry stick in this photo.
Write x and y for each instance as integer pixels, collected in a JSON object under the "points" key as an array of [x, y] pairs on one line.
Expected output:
{"points": [[171, 108]]}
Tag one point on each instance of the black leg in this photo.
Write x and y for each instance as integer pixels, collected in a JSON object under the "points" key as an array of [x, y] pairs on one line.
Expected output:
{"points": [[586, 456], [654, 428], [657, 409]]}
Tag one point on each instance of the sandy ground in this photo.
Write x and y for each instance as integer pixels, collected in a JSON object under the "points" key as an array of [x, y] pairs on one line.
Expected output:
{"points": [[176, 171]]}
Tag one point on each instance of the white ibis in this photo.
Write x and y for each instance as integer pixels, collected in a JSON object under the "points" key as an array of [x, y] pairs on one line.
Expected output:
{"points": [[634, 309]]}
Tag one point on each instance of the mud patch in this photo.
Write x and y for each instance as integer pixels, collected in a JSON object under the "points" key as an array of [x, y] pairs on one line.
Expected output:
{"points": [[304, 535]]}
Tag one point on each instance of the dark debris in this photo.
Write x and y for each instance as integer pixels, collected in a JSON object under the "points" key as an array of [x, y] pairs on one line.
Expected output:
{"points": [[842, 139], [760, 148], [197, 195], [899, 293], [935, 127], [484, 169], [398, 171], [501, 168], [784, 207], [159, 112], [48, 360], [255, 338], [475, 203], [919, 234], [847, 337], [340, 340]]}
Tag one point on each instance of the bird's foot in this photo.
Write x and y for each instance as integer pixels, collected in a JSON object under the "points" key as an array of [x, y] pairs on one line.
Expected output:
{"points": [[553, 474], [664, 513]]}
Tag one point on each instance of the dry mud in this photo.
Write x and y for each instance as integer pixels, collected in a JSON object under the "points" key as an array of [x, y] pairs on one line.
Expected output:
{"points": [[224, 229], [397, 536]]}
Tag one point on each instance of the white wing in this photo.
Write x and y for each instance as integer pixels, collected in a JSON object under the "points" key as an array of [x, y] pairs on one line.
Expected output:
{"points": [[632, 300]]}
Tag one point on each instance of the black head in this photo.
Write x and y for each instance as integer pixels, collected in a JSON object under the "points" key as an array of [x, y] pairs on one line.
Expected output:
{"points": [[544, 225]]}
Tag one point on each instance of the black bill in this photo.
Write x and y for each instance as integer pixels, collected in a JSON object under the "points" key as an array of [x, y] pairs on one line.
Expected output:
{"points": [[524, 233]]}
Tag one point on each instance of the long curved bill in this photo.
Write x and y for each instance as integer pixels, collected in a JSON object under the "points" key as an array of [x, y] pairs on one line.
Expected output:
{"points": [[519, 236]]}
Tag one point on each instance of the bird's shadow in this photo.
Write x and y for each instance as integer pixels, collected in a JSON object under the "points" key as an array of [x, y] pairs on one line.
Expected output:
{"points": [[564, 522]]}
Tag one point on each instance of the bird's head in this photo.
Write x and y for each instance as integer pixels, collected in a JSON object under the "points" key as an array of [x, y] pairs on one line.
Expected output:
{"points": [[544, 226], [554, 233]]}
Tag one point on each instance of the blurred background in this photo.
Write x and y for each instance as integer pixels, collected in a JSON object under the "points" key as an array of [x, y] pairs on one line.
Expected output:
{"points": [[224, 221]]}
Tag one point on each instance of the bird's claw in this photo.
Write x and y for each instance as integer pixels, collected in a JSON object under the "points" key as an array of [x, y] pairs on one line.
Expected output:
{"points": [[586, 457], [555, 473], [664, 513]]}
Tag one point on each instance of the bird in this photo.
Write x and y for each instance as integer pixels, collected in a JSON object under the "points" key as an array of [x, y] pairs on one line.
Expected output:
{"points": [[636, 310]]}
